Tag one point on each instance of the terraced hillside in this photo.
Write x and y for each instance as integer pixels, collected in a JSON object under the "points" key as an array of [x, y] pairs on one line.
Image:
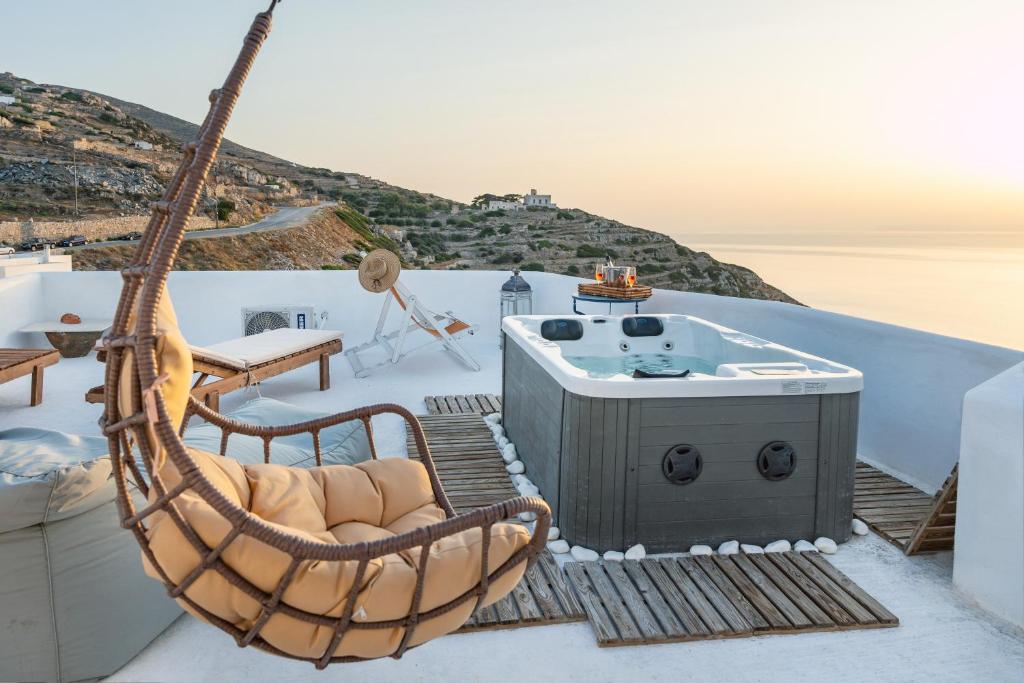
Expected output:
{"points": [[117, 154]]}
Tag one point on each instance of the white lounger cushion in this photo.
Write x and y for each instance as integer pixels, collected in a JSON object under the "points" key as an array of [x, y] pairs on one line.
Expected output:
{"points": [[260, 348]]}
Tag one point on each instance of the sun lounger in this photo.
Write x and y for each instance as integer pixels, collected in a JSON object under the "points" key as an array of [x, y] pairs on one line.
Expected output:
{"points": [[20, 362], [245, 361]]}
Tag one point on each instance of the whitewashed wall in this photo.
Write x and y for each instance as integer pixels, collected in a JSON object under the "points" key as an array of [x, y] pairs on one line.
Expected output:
{"points": [[20, 299], [989, 555], [914, 381]]}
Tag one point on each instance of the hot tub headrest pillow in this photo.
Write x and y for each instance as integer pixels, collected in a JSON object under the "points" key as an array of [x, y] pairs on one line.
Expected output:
{"points": [[642, 326], [561, 329]]}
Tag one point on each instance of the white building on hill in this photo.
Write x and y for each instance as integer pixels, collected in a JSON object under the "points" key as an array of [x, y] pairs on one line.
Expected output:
{"points": [[534, 199], [503, 205]]}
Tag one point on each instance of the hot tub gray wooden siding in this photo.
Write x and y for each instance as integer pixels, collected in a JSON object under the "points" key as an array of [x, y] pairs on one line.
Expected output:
{"points": [[598, 463]]}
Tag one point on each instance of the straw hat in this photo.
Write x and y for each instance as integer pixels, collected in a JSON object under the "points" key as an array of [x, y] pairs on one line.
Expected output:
{"points": [[379, 270]]}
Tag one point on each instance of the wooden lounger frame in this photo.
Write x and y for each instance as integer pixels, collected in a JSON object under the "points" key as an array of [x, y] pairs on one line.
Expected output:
{"points": [[16, 363], [232, 377]]}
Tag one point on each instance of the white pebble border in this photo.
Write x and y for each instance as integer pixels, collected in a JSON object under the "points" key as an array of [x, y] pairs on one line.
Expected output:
{"points": [[560, 546]]}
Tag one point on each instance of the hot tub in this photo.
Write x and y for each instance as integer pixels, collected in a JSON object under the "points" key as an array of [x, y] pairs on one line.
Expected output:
{"points": [[670, 430]]}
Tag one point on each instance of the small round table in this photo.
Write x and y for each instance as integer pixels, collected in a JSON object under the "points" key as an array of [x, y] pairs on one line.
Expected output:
{"points": [[73, 340], [592, 298]]}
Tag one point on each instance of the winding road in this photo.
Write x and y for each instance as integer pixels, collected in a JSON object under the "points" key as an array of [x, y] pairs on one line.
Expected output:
{"points": [[283, 218]]}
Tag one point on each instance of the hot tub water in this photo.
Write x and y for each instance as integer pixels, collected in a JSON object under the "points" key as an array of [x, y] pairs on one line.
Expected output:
{"points": [[604, 367]]}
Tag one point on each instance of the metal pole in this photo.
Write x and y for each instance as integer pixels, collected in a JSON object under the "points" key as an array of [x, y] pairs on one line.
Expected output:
{"points": [[74, 164]]}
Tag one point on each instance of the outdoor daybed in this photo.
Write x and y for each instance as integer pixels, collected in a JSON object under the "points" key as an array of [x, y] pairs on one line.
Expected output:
{"points": [[75, 604], [242, 362]]}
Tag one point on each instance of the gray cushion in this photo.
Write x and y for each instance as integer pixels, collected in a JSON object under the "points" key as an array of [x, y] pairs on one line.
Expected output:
{"points": [[74, 600], [343, 444], [46, 476]]}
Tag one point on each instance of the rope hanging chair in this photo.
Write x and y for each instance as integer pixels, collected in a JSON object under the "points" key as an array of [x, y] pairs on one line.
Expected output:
{"points": [[328, 564]]}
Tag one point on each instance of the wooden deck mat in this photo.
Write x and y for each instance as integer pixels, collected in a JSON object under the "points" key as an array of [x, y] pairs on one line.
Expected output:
{"points": [[467, 460], [698, 598], [473, 475], [463, 403], [904, 515], [541, 598]]}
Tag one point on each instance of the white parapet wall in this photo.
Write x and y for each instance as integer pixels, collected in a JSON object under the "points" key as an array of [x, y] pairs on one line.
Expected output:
{"points": [[22, 264], [988, 560], [914, 381]]}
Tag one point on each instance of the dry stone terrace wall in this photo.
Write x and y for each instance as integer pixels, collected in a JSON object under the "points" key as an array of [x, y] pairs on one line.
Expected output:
{"points": [[15, 232]]}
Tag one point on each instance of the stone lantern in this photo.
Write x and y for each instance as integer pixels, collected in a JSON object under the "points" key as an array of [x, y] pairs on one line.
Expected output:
{"points": [[516, 299]]}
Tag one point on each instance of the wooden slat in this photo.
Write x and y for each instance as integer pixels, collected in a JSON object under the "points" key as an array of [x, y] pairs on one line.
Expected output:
{"points": [[792, 591], [649, 625], [775, 619], [732, 616], [832, 609], [462, 404], [661, 610], [883, 615], [693, 595], [466, 457], [834, 590], [597, 615], [673, 600], [615, 606], [738, 600], [792, 613], [904, 515], [431, 402], [559, 588]]}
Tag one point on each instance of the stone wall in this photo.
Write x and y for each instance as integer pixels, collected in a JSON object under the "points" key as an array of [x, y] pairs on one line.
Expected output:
{"points": [[15, 232]]}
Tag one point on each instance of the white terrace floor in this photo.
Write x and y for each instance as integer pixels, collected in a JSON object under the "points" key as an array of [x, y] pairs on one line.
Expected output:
{"points": [[941, 637]]}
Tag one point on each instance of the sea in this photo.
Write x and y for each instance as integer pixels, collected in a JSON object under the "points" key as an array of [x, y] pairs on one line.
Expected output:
{"points": [[966, 284]]}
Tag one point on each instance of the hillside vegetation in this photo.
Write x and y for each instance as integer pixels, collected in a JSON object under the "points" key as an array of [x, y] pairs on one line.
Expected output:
{"points": [[120, 154]]}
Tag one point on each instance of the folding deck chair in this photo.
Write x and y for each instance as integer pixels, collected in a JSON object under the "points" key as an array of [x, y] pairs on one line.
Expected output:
{"points": [[444, 328]]}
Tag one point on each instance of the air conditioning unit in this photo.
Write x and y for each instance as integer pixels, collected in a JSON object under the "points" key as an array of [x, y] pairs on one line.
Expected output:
{"points": [[256, 320]]}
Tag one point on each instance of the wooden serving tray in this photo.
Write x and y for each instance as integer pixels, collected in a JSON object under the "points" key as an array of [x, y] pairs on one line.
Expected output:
{"points": [[626, 293]]}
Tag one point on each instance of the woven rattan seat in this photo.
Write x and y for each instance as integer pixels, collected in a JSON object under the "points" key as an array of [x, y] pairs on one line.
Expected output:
{"points": [[328, 564]]}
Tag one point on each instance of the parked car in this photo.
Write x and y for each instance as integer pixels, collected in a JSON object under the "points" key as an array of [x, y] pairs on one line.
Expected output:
{"points": [[73, 241], [35, 244], [129, 236], [6, 250]]}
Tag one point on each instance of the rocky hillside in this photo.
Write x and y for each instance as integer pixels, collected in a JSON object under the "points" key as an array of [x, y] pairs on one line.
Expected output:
{"points": [[70, 154], [121, 153]]}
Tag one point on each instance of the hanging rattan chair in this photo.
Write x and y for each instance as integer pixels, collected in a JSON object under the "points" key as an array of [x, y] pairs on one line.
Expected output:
{"points": [[327, 564]]}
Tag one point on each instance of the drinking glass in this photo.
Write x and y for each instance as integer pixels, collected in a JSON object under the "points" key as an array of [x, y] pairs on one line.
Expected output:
{"points": [[599, 272]]}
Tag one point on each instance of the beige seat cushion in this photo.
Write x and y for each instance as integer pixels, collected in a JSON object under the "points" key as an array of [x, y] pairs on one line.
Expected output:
{"points": [[336, 504], [174, 364]]}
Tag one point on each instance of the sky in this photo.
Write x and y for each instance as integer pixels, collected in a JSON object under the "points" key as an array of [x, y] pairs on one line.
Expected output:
{"points": [[704, 117]]}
